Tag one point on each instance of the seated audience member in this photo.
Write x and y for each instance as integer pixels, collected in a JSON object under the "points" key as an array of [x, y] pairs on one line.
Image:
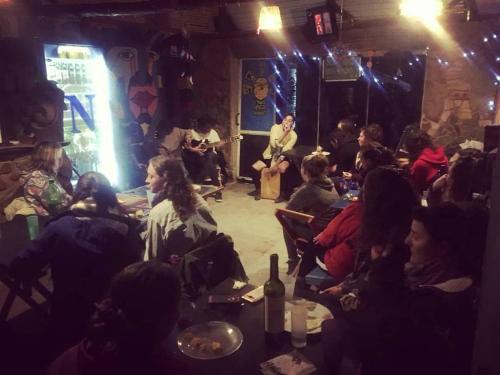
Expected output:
{"points": [[427, 162], [458, 185], [369, 328], [345, 146], [382, 217], [440, 275], [125, 334], [174, 139], [370, 137], [388, 201], [314, 197], [46, 162], [200, 161], [180, 219], [85, 247]]}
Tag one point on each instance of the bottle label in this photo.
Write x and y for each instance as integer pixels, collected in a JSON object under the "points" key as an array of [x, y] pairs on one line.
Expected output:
{"points": [[274, 314]]}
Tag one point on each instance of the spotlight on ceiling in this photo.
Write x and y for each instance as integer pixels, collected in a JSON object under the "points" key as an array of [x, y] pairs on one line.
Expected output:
{"points": [[421, 9], [270, 19]]}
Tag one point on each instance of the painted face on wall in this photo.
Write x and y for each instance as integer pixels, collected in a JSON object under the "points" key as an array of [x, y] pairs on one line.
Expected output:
{"points": [[122, 61], [261, 88]]}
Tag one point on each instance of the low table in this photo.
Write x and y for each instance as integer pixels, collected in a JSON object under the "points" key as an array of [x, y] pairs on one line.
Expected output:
{"points": [[249, 318]]}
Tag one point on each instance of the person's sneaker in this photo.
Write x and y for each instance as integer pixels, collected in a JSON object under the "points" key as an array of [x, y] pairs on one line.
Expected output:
{"points": [[257, 197], [280, 199], [218, 196], [253, 193]]}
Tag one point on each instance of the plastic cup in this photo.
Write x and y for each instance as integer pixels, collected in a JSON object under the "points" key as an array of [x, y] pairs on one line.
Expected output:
{"points": [[299, 324], [33, 227]]}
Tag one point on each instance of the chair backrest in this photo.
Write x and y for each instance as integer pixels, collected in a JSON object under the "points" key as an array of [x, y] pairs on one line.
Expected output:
{"points": [[210, 264], [288, 218]]}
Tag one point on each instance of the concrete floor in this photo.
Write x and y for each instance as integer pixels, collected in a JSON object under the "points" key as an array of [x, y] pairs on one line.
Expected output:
{"points": [[255, 231]]}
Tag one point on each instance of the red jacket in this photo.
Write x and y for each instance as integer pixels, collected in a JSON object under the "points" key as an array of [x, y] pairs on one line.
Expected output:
{"points": [[426, 167], [340, 237]]}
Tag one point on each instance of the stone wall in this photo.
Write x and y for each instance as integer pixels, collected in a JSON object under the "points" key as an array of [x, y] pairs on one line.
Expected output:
{"points": [[213, 87], [457, 94]]}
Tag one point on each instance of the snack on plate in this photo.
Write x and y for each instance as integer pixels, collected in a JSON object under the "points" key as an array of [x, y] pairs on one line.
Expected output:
{"points": [[205, 345]]}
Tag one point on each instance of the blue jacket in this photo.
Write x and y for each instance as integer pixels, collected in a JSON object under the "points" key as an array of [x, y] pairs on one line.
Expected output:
{"points": [[84, 251]]}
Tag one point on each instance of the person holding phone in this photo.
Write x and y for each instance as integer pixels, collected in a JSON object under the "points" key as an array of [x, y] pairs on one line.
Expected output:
{"points": [[281, 139]]}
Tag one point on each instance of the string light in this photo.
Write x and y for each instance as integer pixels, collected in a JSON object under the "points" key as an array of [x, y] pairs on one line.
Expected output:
{"points": [[485, 40]]}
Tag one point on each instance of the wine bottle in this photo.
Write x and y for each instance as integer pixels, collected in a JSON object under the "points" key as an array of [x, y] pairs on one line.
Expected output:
{"points": [[274, 304]]}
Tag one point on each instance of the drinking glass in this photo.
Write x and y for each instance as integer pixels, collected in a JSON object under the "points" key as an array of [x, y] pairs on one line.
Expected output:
{"points": [[299, 324], [33, 227]]}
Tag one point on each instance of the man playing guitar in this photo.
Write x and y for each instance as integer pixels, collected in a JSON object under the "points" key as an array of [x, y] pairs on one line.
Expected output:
{"points": [[281, 139], [201, 157]]}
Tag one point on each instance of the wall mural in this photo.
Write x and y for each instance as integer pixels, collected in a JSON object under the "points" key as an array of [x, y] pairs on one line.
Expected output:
{"points": [[456, 97]]}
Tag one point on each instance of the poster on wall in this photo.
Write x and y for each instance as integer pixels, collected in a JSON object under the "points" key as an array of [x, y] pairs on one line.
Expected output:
{"points": [[258, 95], [81, 72]]}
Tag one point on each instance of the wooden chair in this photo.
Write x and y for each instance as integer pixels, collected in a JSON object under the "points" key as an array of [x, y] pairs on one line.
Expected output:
{"points": [[13, 240], [288, 217]]}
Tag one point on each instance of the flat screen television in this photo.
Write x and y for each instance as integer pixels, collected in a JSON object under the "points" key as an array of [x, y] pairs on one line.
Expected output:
{"points": [[321, 24]]}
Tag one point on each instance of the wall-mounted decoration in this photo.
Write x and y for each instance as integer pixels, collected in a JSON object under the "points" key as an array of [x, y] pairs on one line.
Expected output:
{"points": [[258, 94]]}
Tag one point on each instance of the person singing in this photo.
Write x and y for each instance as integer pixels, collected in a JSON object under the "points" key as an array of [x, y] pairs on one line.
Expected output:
{"points": [[281, 139]]}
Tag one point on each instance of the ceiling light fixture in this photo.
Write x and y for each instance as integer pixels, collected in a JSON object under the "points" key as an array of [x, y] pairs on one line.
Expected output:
{"points": [[421, 9], [270, 19]]}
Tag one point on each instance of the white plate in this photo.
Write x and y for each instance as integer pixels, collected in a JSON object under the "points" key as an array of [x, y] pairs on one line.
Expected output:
{"points": [[210, 340], [316, 314]]}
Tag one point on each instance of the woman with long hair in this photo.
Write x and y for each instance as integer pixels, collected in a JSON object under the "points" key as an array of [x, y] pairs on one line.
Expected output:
{"points": [[367, 320], [46, 161], [180, 219], [124, 335]]}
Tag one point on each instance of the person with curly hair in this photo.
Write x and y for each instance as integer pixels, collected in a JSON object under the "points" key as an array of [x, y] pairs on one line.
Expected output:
{"points": [[180, 219]]}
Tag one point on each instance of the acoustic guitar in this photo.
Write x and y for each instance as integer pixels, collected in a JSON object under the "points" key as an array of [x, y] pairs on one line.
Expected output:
{"points": [[205, 145]]}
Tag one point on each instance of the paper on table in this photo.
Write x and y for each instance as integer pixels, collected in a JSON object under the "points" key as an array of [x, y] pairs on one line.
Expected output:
{"points": [[293, 363]]}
